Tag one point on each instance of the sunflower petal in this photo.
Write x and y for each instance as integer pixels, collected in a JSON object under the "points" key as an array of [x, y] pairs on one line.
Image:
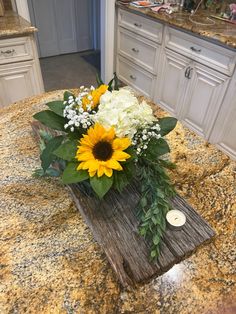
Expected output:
{"points": [[114, 164], [108, 171], [121, 143], [100, 171], [80, 166], [84, 156], [120, 156], [109, 135], [92, 173]]}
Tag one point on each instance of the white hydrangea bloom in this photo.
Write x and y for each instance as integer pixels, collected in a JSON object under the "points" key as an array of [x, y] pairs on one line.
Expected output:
{"points": [[122, 110]]}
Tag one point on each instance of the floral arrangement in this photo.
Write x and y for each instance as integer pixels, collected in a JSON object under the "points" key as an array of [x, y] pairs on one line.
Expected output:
{"points": [[107, 140]]}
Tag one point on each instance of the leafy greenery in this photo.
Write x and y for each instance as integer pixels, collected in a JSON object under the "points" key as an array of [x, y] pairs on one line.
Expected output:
{"points": [[101, 185], [47, 156], [67, 94], [167, 124], [67, 150], [51, 119], [72, 175], [157, 148], [50, 172], [57, 107], [156, 190]]}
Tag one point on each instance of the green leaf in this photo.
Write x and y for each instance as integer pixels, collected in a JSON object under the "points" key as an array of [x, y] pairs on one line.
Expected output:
{"points": [[51, 119], [101, 185], [57, 107], [72, 175], [116, 82], [47, 156], [50, 172], [167, 164], [157, 148], [67, 94], [110, 85], [120, 180], [153, 254], [67, 150], [167, 124], [156, 239]]}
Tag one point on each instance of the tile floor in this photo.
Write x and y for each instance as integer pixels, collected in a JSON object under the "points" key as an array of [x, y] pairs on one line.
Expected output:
{"points": [[70, 70]]}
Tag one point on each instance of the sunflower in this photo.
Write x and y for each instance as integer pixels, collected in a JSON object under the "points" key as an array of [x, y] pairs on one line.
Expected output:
{"points": [[94, 96], [99, 151]]}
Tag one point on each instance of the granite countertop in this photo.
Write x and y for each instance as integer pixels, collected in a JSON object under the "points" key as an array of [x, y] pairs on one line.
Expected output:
{"points": [[49, 261], [222, 33], [12, 25]]}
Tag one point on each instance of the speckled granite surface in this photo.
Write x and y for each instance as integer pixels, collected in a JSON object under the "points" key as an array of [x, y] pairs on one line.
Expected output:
{"points": [[49, 262], [12, 24], [221, 32]]}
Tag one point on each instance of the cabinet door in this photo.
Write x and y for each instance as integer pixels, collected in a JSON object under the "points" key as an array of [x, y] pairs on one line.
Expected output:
{"points": [[223, 134], [203, 98], [17, 81], [172, 83]]}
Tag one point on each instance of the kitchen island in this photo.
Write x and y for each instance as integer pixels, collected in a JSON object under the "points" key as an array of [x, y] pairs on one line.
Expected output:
{"points": [[49, 261]]}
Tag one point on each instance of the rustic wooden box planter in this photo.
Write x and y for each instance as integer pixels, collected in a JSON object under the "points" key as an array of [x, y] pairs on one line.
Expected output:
{"points": [[114, 224]]}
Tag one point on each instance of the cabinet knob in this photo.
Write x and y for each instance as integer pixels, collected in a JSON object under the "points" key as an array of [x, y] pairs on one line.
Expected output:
{"points": [[133, 77], [195, 49], [7, 52], [137, 25], [135, 50]]}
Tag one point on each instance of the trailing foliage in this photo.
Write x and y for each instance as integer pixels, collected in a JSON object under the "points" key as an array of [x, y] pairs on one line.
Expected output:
{"points": [[156, 190]]}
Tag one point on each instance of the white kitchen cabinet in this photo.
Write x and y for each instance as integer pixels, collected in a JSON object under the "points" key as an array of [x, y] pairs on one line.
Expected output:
{"points": [[223, 133], [17, 81], [20, 73], [203, 97], [191, 78], [191, 92], [136, 77], [172, 82], [138, 50]]}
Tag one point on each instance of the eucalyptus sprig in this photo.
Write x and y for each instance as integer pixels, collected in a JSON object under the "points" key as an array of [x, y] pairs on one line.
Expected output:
{"points": [[156, 191]]}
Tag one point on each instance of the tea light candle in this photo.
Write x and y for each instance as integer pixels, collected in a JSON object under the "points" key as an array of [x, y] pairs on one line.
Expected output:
{"points": [[176, 219]]}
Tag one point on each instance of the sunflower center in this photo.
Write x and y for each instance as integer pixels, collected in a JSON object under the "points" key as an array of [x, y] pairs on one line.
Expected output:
{"points": [[102, 151]]}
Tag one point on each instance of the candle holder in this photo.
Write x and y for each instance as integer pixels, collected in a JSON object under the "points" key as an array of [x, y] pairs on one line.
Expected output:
{"points": [[175, 219]]}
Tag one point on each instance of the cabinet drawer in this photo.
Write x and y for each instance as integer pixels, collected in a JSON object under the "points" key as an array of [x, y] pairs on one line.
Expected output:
{"points": [[141, 25], [212, 55], [139, 50], [135, 76], [15, 49]]}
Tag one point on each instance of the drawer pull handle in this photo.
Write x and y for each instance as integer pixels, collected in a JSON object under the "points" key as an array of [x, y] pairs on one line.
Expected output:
{"points": [[133, 77], [137, 25], [187, 72], [195, 49], [135, 50], [8, 52]]}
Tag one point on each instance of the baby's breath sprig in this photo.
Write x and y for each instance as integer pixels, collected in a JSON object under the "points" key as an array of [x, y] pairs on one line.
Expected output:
{"points": [[143, 136], [78, 110]]}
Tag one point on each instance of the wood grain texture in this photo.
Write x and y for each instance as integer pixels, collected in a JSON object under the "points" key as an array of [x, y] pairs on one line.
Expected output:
{"points": [[114, 224]]}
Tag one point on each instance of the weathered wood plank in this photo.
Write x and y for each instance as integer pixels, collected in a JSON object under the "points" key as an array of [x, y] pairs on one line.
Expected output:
{"points": [[114, 224]]}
